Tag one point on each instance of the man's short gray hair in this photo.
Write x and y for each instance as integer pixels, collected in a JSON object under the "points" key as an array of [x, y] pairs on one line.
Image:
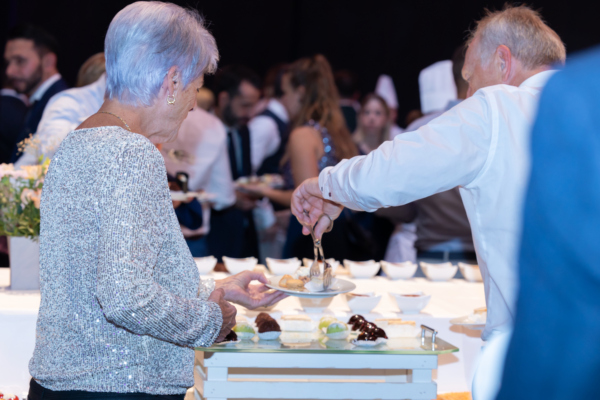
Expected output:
{"points": [[147, 38], [524, 32]]}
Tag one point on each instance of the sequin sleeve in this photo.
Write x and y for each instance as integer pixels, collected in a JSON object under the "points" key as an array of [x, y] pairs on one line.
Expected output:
{"points": [[131, 213], [207, 285]]}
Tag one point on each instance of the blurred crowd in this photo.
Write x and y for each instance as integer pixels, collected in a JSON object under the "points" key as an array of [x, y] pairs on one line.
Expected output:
{"points": [[248, 144]]}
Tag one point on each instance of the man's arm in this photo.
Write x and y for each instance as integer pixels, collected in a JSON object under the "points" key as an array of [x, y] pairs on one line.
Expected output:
{"points": [[449, 151]]}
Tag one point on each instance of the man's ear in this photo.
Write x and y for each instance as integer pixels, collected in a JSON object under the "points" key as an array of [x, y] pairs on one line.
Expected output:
{"points": [[49, 60], [223, 99], [505, 61]]}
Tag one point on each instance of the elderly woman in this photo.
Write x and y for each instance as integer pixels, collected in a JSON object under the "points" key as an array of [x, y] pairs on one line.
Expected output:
{"points": [[122, 302]]}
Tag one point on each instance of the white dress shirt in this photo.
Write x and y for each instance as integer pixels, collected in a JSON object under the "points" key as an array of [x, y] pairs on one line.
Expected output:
{"points": [[481, 145], [264, 134], [200, 150], [64, 112], [39, 93]]}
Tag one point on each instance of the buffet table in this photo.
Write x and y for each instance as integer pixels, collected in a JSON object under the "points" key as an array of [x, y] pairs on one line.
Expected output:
{"points": [[18, 314]]}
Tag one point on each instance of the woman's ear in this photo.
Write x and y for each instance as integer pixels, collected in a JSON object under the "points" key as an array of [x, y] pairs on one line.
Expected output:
{"points": [[172, 81]]}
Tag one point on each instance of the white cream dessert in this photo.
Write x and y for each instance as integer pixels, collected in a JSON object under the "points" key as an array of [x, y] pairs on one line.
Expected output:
{"points": [[297, 337], [398, 328], [296, 323], [479, 315], [302, 273]]}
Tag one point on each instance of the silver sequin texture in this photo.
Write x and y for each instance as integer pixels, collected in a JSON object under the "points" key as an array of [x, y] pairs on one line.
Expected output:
{"points": [[121, 308]]}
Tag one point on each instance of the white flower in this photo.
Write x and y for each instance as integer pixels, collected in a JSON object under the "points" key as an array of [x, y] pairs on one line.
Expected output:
{"points": [[28, 195]]}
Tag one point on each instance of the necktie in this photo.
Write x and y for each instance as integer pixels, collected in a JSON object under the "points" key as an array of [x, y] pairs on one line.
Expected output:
{"points": [[232, 155]]}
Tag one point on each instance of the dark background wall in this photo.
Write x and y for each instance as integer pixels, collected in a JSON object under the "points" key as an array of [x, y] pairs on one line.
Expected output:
{"points": [[370, 37]]}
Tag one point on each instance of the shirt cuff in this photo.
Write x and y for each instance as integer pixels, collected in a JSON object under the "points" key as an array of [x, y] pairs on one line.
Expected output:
{"points": [[329, 189]]}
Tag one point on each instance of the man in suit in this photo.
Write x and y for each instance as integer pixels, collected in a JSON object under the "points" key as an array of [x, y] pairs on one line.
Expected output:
{"points": [[30, 56], [553, 353], [233, 232]]}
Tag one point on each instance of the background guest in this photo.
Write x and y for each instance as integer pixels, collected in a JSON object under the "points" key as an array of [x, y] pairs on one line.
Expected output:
{"points": [[91, 70], [65, 111], [205, 99], [442, 231], [13, 108], [200, 150], [237, 91], [269, 132], [373, 123], [386, 89], [31, 56], [346, 83]]}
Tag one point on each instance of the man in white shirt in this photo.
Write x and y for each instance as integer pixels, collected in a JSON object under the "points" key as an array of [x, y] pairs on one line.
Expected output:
{"points": [[268, 135], [480, 145], [200, 150], [64, 112]]}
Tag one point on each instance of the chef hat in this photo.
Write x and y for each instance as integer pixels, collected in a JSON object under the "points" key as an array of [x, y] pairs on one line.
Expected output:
{"points": [[385, 88], [436, 86]]}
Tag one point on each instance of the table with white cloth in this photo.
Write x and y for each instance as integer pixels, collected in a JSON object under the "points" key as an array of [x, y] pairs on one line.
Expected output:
{"points": [[456, 298]]}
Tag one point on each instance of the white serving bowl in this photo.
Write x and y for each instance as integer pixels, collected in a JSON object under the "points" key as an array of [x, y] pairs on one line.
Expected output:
{"points": [[362, 269], [360, 304], [439, 272], [471, 272], [283, 267], [315, 305], [403, 270], [205, 264], [237, 265], [408, 303], [309, 261]]}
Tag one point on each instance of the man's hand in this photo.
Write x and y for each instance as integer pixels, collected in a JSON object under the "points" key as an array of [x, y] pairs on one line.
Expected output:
{"points": [[238, 290], [307, 199], [244, 202]]}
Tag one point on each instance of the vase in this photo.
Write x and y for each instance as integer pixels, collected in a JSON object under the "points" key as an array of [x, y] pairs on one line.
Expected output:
{"points": [[24, 256]]}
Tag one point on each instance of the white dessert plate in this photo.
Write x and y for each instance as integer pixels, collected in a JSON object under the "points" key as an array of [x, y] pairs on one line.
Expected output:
{"points": [[467, 323], [201, 196], [339, 286]]}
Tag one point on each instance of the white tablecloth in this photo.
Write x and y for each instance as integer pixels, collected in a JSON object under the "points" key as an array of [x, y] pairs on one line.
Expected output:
{"points": [[18, 314]]}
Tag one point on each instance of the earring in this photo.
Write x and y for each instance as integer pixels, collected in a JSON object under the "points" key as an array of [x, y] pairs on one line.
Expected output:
{"points": [[171, 99]]}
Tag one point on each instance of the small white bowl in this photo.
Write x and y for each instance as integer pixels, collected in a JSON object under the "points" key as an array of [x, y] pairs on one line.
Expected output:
{"points": [[315, 305], [411, 303], [309, 261], [471, 272], [362, 269], [362, 304], [283, 267], [439, 272], [403, 270], [237, 265], [205, 264]]}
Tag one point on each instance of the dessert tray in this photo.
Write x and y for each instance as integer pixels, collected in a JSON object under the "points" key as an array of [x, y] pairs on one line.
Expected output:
{"points": [[339, 286], [202, 197], [467, 322]]}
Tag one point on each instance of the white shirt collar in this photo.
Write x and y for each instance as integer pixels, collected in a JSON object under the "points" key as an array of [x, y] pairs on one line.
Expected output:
{"points": [[538, 80], [278, 109], [39, 93]]}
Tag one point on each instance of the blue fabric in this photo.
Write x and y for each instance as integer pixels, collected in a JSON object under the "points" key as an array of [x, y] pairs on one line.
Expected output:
{"points": [[554, 350], [190, 214], [198, 247], [12, 114]]}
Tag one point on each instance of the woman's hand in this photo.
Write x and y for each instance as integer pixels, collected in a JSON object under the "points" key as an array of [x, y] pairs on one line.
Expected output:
{"points": [[308, 198], [228, 312], [238, 290]]}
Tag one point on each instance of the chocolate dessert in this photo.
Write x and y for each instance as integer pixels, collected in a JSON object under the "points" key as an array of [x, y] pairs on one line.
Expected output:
{"points": [[366, 337], [269, 325], [358, 323], [378, 333], [262, 317], [231, 337], [367, 327], [354, 318]]}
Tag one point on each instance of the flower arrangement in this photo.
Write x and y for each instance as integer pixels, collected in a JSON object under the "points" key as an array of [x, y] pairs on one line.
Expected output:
{"points": [[20, 195]]}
